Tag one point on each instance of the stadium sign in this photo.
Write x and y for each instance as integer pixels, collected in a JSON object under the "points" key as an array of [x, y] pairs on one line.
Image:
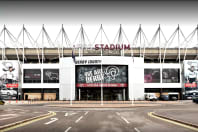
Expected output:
{"points": [[112, 46]]}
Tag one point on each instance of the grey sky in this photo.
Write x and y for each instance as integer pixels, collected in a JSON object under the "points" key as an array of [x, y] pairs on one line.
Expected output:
{"points": [[92, 14]]}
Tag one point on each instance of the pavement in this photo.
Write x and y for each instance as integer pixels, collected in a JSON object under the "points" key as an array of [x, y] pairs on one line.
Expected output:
{"points": [[186, 115], [92, 104], [101, 119], [8, 102]]}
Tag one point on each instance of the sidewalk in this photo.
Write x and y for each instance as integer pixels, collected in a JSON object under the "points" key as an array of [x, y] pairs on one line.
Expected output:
{"points": [[188, 116], [102, 105], [94, 104], [21, 102]]}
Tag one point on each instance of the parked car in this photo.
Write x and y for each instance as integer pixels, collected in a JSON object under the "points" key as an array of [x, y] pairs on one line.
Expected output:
{"points": [[151, 97], [8, 92], [188, 97], [164, 97], [174, 98], [195, 99]]}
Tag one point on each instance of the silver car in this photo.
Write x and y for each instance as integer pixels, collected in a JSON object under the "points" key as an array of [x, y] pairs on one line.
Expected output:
{"points": [[5, 91]]}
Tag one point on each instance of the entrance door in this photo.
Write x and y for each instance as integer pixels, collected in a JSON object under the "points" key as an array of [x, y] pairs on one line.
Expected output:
{"points": [[108, 94], [115, 94], [89, 94]]}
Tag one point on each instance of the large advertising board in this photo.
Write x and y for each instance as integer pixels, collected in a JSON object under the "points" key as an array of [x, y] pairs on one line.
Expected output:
{"points": [[51, 75], [152, 75], [171, 75], [109, 76], [9, 78], [191, 77], [32, 76]]}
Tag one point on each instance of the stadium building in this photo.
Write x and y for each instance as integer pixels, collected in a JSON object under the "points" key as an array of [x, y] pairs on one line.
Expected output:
{"points": [[45, 70]]}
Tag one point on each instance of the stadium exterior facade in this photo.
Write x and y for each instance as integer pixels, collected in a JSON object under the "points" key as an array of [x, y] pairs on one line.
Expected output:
{"points": [[83, 71]]}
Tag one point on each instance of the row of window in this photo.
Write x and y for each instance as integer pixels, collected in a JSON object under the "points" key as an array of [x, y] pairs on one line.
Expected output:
{"points": [[150, 75], [34, 76], [168, 75]]}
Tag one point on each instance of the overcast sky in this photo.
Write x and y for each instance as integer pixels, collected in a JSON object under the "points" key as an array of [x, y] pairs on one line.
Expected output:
{"points": [[93, 13]]}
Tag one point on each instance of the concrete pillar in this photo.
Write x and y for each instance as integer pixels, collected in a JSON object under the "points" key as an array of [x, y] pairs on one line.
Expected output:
{"points": [[79, 94], [124, 96]]}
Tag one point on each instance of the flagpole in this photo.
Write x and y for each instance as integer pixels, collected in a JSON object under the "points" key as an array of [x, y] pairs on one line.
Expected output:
{"points": [[101, 85], [132, 101], [71, 80], [73, 57], [71, 87], [101, 72]]}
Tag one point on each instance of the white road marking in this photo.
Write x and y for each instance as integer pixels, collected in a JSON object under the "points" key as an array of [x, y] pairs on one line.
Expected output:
{"points": [[52, 120], [7, 118], [125, 120], [9, 115], [66, 114], [136, 129], [72, 114], [65, 111], [68, 129], [86, 112], [78, 119], [118, 113]]}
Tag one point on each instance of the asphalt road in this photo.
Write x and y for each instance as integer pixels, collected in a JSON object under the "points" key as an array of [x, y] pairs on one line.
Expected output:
{"points": [[101, 119]]}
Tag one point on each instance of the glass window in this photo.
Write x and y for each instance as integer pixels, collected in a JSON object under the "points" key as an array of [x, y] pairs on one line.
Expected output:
{"points": [[51, 75], [151, 75], [170, 76], [32, 76]]}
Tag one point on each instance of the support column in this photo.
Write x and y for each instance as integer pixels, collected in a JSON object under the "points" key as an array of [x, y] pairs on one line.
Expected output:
{"points": [[124, 96], [101, 95], [79, 94]]}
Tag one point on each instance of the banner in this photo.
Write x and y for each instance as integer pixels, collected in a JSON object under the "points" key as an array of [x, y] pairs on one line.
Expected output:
{"points": [[110, 76], [9, 78], [103, 85], [191, 77]]}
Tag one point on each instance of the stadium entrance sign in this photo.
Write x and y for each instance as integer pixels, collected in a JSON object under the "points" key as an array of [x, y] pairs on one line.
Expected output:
{"points": [[112, 46]]}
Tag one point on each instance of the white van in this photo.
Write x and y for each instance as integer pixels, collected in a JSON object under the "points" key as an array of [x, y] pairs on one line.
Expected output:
{"points": [[151, 96]]}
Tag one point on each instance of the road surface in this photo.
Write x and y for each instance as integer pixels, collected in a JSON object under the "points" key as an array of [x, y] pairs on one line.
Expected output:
{"points": [[101, 119]]}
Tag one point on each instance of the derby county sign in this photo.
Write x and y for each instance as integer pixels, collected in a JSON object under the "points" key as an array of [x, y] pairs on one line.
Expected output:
{"points": [[112, 46]]}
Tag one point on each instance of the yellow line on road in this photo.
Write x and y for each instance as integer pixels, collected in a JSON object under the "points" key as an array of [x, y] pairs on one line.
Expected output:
{"points": [[50, 114], [173, 122]]}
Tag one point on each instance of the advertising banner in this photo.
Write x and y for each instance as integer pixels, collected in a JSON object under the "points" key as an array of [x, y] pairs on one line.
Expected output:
{"points": [[51, 75], [111, 76], [171, 76], [191, 77], [151, 75], [32, 76], [9, 78]]}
